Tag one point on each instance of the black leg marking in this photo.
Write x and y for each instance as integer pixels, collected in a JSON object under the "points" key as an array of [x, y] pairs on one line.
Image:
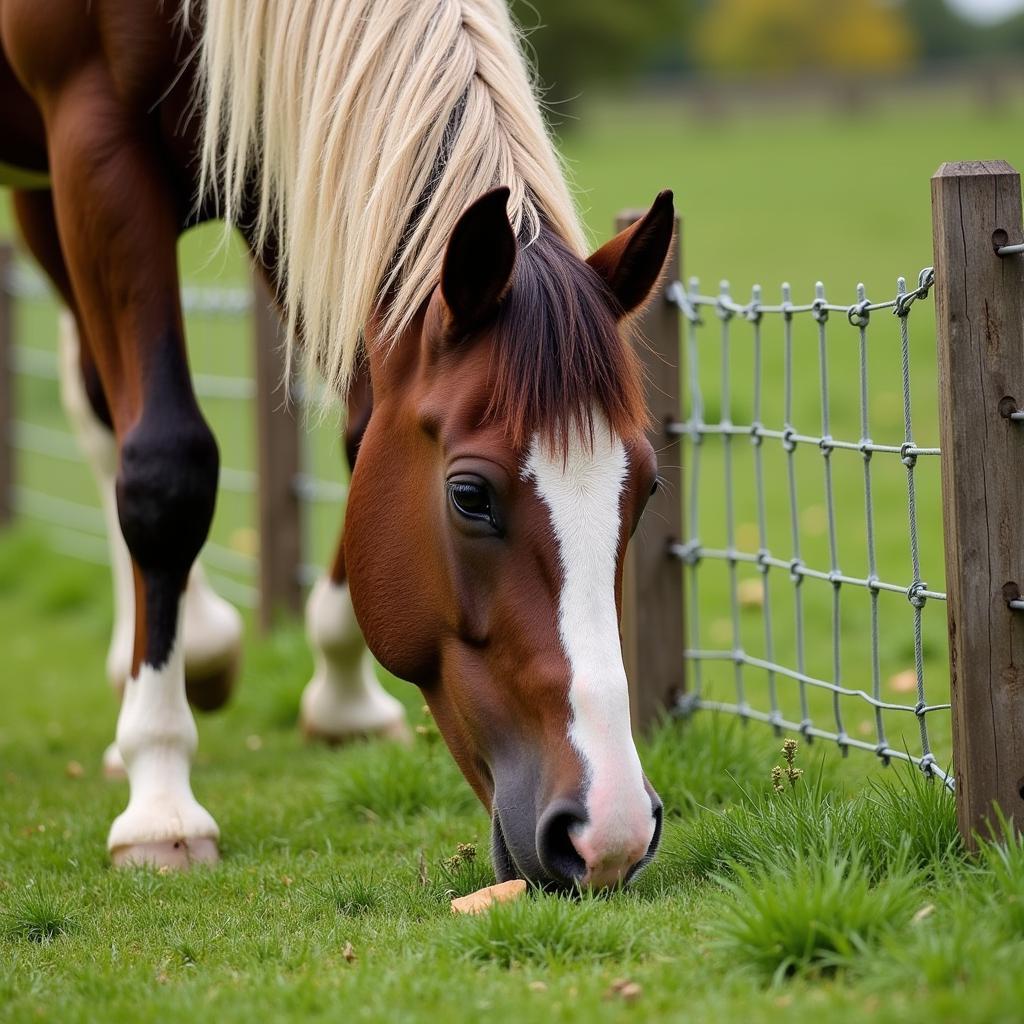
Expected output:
{"points": [[166, 493]]}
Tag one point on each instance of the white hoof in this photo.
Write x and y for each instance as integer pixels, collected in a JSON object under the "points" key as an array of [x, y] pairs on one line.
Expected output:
{"points": [[176, 855], [334, 712], [344, 700], [167, 822]]}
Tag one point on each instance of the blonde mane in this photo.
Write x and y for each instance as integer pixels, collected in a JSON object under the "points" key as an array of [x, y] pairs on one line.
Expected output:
{"points": [[367, 127]]}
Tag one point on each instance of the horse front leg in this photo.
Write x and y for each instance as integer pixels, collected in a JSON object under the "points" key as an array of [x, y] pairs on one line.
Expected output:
{"points": [[119, 221], [344, 699], [213, 627]]}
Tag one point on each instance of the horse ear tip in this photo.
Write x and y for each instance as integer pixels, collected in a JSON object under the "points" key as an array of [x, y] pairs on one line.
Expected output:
{"points": [[665, 198]]}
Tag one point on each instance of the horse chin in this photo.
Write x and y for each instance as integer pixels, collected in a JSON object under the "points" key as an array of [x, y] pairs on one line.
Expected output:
{"points": [[501, 857]]}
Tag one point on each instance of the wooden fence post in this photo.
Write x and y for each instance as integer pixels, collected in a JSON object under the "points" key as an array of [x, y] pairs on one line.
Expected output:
{"points": [[652, 583], [6, 384], [277, 442], [979, 296]]}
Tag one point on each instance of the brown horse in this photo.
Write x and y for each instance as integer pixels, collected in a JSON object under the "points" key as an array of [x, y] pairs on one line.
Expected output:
{"points": [[387, 162]]}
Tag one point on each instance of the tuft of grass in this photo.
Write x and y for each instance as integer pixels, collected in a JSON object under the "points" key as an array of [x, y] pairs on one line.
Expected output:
{"points": [[906, 812], [807, 914], [347, 896], [546, 929], [37, 916], [387, 782], [903, 819]]}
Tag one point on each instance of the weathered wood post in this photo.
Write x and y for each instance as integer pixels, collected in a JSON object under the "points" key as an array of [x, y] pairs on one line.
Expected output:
{"points": [[6, 384], [979, 296], [652, 583], [277, 443]]}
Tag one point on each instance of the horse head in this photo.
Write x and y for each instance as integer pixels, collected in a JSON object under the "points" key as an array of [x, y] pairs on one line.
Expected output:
{"points": [[503, 470]]}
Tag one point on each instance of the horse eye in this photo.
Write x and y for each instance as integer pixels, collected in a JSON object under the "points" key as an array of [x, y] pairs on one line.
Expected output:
{"points": [[654, 487], [470, 499]]}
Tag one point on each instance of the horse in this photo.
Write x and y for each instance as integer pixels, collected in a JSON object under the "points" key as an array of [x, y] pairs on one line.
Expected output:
{"points": [[388, 165]]}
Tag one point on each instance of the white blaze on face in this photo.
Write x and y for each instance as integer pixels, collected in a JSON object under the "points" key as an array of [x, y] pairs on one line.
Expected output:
{"points": [[583, 494]]}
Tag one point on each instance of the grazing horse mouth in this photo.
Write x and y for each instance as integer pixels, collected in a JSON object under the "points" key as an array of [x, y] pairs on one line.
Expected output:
{"points": [[506, 867]]}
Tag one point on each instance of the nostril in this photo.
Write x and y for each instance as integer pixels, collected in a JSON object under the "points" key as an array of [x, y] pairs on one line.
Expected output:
{"points": [[555, 848]]}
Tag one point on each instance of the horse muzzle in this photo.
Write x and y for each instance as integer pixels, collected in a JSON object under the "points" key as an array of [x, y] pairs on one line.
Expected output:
{"points": [[565, 849]]}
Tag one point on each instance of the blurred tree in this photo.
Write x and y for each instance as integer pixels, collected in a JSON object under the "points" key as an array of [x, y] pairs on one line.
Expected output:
{"points": [[787, 36], [582, 42], [942, 33], [945, 35]]}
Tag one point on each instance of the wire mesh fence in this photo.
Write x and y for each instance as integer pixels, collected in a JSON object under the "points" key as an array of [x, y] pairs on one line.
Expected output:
{"points": [[845, 576], [775, 684], [53, 488], [817, 552]]}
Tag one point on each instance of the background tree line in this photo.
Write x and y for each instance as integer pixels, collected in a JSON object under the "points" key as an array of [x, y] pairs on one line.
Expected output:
{"points": [[582, 42]]}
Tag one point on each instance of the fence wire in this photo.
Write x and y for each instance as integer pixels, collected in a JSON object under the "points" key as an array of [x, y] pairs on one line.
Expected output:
{"points": [[80, 529], [792, 571]]}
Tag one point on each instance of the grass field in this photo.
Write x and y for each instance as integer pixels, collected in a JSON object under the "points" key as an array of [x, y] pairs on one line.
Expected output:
{"points": [[845, 895]]}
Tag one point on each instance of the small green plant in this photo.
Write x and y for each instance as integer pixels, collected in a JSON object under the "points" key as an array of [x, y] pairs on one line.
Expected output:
{"points": [[462, 873], [427, 730], [791, 773], [465, 853]]}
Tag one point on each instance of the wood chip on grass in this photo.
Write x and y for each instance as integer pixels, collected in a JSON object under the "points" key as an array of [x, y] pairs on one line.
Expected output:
{"points": [[484, 899]]}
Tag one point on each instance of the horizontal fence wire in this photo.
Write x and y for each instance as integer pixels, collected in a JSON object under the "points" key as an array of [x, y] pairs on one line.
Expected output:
{"points": [[695, 430], [79, 528]]}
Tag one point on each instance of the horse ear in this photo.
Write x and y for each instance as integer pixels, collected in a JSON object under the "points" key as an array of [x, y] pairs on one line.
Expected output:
{"points": [[632, 261], [479, 261]]}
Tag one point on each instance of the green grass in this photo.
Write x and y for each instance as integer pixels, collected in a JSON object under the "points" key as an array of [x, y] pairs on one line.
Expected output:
{"points": [[847, 897], [813, 915], [831, 896]]}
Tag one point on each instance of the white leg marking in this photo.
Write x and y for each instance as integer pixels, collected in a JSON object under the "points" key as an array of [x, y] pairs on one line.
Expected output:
{"points": [[582, 494], [156, 736], [344, 698], [97, 443]]}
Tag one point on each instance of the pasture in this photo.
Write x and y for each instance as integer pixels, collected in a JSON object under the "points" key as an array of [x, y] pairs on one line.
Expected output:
{"points": [[846, 894]]}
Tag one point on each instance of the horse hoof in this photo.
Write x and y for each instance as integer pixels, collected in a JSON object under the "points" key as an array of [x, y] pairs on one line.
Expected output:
{"points": [[397, 731], [210, 689], [113, 764], [169, 854]]}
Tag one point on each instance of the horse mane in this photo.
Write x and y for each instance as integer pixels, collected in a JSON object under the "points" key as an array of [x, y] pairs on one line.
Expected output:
{"points": [[559, 357], [366, 127]]}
